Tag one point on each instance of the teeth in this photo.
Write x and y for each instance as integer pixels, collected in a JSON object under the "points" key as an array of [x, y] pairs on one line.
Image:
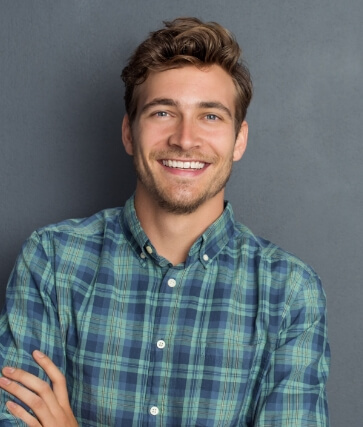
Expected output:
{"points": [[183, 165]]}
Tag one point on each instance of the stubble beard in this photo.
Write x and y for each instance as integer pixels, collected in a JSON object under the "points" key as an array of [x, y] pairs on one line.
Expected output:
{"points": [[184, 203]]}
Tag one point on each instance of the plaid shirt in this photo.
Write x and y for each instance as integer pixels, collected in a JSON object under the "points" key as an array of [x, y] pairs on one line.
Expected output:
{"points": [[235, 336]]}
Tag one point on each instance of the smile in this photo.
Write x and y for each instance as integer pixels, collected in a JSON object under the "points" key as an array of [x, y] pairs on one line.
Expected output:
{"points": [[183, 165]]}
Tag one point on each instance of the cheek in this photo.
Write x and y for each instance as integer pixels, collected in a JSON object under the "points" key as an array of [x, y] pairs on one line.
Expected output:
{"points": [[222, 146]]}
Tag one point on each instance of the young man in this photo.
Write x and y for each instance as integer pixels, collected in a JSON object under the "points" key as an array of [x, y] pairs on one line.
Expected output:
{"points": [[167, 312]]}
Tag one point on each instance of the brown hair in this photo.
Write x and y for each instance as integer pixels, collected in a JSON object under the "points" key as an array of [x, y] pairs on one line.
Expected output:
{"points": [[188, 41]]}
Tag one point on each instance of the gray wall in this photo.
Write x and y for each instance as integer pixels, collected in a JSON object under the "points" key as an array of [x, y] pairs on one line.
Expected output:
{"points": [[298, 185]]}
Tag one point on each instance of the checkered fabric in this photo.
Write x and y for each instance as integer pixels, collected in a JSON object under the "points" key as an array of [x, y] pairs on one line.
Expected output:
{"points": [[235, 336]]}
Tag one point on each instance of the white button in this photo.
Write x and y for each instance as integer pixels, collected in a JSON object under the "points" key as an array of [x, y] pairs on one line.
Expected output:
{"points": [[154, 410], [160, 344], [171, 282], [149, 249], [142, 255], [205, 257]]}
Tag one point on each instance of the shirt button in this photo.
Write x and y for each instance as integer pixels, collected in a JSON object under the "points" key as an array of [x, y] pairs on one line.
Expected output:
{"points": [[149, 249], [154, 410], [205, 257], [160, 344], [142, 255], [171, 283]]}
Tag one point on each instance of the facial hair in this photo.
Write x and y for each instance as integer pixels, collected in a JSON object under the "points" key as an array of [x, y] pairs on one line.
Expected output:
{"points": [[177, 204]]}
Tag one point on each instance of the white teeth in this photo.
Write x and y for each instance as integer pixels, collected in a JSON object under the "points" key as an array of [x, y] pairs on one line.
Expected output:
{"points": [[183, 165]]}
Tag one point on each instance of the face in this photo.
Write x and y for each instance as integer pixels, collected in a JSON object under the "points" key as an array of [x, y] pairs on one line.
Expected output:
{"points": [[183, 137]]}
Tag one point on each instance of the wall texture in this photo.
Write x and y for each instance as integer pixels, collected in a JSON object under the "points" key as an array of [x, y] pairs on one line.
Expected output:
{"points": [[299, 184]]}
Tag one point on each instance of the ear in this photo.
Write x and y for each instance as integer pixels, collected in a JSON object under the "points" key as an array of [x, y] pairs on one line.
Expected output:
{"points": [[127, 135], [241, 142]]}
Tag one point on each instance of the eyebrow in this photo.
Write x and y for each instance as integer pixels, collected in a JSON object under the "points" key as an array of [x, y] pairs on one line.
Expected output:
{"points": [[172, 103], [159, 101], [217, 105]]}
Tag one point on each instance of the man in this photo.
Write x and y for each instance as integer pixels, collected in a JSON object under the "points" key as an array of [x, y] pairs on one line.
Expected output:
{"points": [[167, 312]]}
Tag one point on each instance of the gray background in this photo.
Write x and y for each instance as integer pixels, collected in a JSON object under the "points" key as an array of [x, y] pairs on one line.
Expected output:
{"points": [[298, 185]]}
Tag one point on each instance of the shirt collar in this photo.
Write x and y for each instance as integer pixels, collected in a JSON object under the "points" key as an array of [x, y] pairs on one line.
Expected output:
{"points": [[205, 248]]}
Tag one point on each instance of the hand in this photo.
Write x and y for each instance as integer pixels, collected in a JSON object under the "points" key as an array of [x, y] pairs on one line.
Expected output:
{"points": [[51, 407]]}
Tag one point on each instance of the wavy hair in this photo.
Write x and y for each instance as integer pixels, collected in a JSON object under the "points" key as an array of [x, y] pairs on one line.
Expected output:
{"points": [[186, 41]]}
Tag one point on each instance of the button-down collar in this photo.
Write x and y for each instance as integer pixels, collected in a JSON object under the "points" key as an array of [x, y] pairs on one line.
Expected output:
{"points": [[205, 248]]}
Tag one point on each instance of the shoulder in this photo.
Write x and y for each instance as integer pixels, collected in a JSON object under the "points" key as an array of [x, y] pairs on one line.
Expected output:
{"points": [[275, 268], [267, 251], [286, 287], [76, 233], [91, 225]]}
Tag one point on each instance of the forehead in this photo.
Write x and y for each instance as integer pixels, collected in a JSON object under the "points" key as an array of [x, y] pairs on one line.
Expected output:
{"points": [[188, 86]]}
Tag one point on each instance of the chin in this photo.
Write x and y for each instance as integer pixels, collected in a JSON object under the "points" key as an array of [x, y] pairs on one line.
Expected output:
{"points": [[181, 206]]}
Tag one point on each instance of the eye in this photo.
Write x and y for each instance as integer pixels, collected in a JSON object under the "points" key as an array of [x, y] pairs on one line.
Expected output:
{"points": [[161, 114], [211, 117]]}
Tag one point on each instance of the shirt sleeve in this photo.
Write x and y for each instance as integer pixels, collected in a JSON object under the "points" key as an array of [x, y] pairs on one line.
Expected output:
{"points": [[29, 319], [294, 393]]}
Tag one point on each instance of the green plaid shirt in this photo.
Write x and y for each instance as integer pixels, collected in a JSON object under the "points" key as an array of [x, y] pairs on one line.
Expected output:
{"points": [[235, 336]]}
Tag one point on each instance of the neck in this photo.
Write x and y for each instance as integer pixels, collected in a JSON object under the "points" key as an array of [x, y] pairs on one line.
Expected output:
{"points": [[171, 234]]}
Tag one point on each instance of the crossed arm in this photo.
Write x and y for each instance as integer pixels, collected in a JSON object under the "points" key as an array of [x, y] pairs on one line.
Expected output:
{"points": [[50, 405]]}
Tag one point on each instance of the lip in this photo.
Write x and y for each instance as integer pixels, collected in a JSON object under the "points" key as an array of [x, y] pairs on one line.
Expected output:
{"points": [[184, 164], [175, 170]]}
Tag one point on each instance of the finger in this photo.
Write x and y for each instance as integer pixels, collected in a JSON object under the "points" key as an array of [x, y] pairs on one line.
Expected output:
{"points": [[55, 375], [36, 394], [32, 400], [21, 413]]}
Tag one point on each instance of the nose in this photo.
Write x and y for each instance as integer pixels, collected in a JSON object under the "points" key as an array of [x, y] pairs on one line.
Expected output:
{"points": [[185, 135]]}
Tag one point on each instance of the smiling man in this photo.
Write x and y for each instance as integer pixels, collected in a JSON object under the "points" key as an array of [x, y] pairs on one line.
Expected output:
{"points": [[167, 312], [184, 142]]}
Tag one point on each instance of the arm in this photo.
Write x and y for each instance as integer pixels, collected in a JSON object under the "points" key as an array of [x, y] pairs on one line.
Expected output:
{"points": [[50, 405], [293, 392], [30, 318]]}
